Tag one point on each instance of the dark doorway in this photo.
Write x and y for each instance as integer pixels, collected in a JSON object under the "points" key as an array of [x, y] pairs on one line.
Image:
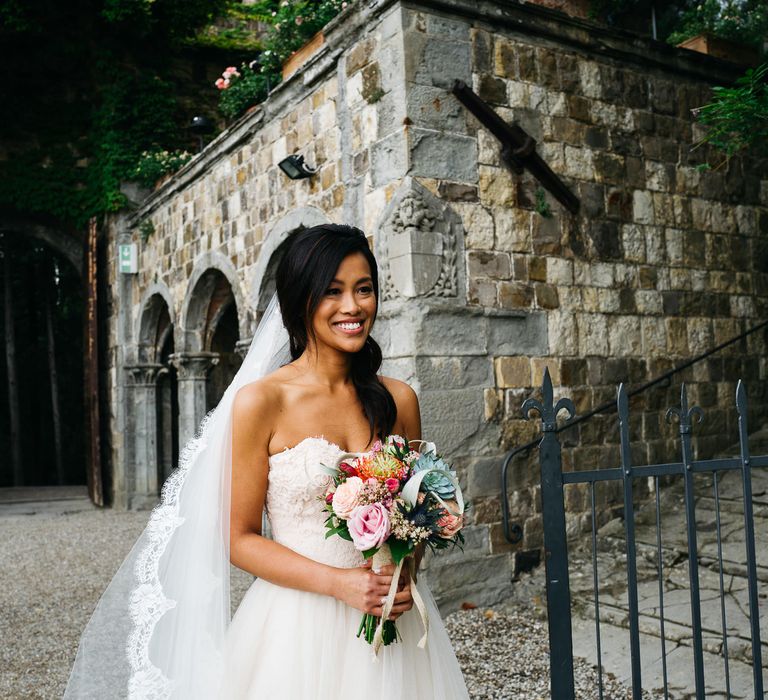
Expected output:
{"points": [[41, 366], [167, 403], [225, 336]]}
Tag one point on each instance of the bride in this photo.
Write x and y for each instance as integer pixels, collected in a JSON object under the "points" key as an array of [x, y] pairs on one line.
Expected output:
{"points": [[306, 397]]}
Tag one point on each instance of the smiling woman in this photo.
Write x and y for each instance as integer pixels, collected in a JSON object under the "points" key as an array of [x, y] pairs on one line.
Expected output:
{"points": [[349, 303], [267, 449]]}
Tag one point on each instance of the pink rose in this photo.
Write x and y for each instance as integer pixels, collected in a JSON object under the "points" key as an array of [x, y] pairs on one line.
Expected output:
{"points": [[369, 526], [231, 69], [345, 496], [392, 484], [449, 523], [220, 84]]}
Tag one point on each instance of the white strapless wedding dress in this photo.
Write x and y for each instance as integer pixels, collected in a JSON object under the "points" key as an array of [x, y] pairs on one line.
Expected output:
{"points": [[293, 645]]}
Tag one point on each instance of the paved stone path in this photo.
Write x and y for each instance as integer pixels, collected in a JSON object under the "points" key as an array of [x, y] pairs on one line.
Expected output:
{"points": [[677, 611]]}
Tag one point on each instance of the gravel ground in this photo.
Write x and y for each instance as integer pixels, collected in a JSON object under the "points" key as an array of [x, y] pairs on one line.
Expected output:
{"points": [[55, 566]]}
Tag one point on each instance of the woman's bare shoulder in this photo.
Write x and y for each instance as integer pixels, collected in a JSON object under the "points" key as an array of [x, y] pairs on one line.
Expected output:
{"points": [[267, 392], [408, 414], [405, 397], [400, 390]]}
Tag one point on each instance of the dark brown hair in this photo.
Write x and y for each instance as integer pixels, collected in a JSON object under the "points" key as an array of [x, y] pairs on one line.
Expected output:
{"points": [[303, 275]]}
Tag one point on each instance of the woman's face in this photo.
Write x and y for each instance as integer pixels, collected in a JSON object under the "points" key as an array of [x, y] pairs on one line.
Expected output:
{"points": [[344, 317]]}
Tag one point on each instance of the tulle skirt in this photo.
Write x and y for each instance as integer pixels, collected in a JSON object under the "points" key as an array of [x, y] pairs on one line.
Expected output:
{"points": [[295, 645]]}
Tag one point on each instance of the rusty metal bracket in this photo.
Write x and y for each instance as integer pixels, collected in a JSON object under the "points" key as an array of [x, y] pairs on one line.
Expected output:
{"points": [[518, 148]]}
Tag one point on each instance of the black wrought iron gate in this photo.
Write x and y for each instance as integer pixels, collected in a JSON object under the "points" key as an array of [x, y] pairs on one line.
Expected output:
{"points": [[553, 484]]}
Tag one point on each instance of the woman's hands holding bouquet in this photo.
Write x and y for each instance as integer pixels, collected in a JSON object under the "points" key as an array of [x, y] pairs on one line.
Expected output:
{"points": [[365, 590], [390, 503]]}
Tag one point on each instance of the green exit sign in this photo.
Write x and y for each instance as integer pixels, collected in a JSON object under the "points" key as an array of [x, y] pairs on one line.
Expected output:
{"points": [[128, 258]]}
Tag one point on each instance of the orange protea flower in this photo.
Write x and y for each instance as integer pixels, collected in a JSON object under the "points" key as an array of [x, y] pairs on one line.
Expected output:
{"points": [[380, 466]]}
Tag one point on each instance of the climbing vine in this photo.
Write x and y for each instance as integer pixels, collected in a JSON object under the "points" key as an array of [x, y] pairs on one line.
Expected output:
{"points": [[102, 89]]}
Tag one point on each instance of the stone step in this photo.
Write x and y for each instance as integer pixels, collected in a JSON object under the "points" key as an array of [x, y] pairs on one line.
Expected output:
{"points": [[612, 588], [34, 500], [616, 659]]}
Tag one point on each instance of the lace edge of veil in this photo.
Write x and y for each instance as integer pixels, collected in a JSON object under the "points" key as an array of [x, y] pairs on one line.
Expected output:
{"points": [[148, 603]]}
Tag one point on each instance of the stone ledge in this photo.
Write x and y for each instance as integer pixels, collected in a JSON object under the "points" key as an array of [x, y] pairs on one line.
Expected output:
{"points": [[537, 21], [341, 33]]}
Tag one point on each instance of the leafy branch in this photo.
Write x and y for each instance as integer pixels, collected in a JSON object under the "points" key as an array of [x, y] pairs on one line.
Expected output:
{"points": [[737, 118]]}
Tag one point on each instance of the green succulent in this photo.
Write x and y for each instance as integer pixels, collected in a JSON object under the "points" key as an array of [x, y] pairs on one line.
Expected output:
{"points": [[439, 483]]}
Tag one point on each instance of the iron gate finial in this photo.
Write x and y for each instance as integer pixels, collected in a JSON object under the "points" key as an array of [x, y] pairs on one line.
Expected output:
{"points": [[545, 408], [685, 414]]}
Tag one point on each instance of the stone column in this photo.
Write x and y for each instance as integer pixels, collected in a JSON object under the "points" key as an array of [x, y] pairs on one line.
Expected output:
{"points": [[142, 399], [192, 370], [242, 346]]}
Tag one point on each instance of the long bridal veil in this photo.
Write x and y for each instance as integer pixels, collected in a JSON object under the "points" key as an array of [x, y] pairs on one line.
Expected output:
{"points": [[158, 630]]}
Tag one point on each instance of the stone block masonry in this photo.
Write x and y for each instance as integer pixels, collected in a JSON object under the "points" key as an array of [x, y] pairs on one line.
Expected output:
{"points": [[482, 287], [660, 256]]}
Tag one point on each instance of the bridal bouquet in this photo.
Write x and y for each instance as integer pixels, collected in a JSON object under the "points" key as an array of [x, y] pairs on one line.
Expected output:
{"points": [[387, 502]]}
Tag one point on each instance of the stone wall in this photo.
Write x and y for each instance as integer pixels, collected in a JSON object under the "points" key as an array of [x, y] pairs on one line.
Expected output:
{"points": [[479, 291], [665, 259]]}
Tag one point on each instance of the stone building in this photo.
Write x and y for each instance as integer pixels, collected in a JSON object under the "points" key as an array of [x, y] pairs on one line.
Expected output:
{"points": [[486, 279]]}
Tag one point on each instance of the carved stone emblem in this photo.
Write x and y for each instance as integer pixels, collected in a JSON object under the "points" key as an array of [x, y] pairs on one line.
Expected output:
{"points": [[418, 246]]}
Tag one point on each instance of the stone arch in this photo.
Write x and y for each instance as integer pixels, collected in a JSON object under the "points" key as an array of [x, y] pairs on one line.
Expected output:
{"points": [[155, 321], [198, 318], [263, 278], [214, 317], [154, 383], [66, 244], [50, 364]]}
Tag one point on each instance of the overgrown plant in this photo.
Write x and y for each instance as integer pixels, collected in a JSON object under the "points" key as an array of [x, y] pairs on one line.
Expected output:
{"points": [[242, 88], [737, 118], [294, 23], [541, 205], [743, 21], [155, 163], [101, 89], [289, 25]]}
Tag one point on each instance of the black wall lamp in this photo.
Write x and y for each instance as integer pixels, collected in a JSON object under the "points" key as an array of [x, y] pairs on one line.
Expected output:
{"points": [[295, 167], [201, 127]]}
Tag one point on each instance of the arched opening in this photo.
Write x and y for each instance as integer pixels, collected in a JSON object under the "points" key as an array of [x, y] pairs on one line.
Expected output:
{"points": [[156, 345], [213, 327], [42, 368], [223, 341], [167, 403]]}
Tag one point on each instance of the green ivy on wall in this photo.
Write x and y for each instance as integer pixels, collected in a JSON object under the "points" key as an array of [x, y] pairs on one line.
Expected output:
{"points": [[85, 90]]}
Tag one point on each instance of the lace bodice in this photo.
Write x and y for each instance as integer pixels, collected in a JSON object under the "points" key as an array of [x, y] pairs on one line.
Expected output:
{"points": [[293, 504]]}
